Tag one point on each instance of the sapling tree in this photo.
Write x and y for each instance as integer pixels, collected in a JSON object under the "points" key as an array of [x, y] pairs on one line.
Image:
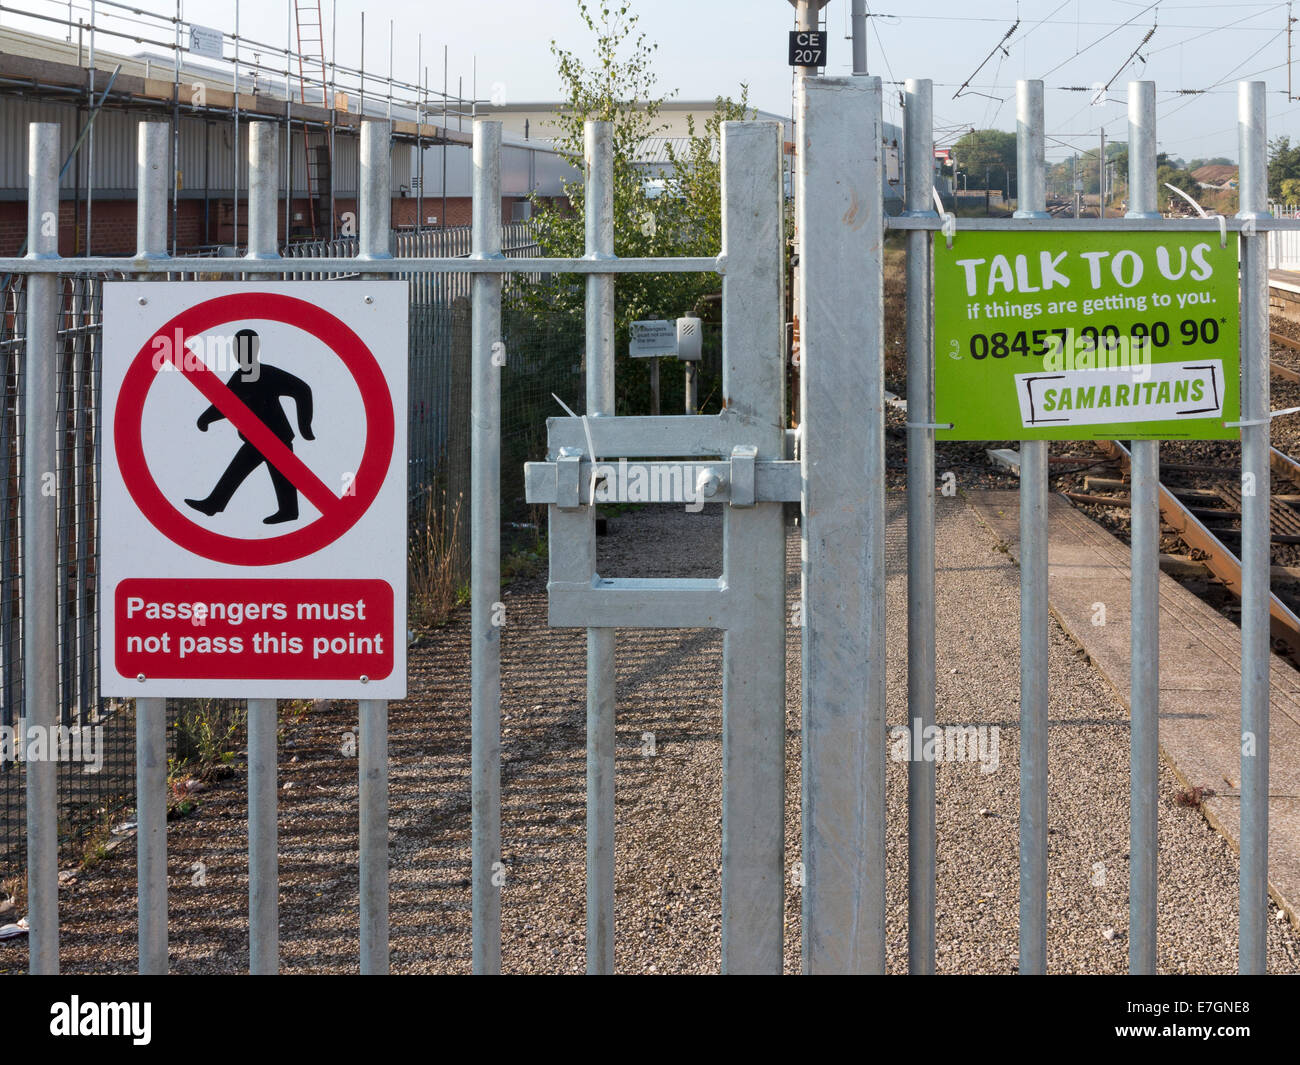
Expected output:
{"points": [[672, 210]]}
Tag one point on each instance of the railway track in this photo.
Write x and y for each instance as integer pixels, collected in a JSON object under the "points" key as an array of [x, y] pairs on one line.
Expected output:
{"points": [[1206, 518], [1284, 373]]}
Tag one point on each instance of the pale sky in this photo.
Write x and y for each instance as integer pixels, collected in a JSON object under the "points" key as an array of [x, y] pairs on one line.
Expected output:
{"points": [[708, 47]]}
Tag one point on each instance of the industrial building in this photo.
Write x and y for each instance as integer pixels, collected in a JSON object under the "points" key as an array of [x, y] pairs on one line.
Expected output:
{"points": [[209, 92]]}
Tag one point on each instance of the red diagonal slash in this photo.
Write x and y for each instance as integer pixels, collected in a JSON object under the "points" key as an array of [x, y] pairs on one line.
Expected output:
{"points": [[216, 392]]}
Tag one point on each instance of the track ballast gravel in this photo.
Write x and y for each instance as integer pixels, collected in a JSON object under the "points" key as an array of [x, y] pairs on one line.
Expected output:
{"points": [[669, 819]]}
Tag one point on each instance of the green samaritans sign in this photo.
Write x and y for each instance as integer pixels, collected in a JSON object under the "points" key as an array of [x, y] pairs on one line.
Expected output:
{"points": [[1085, 335]]}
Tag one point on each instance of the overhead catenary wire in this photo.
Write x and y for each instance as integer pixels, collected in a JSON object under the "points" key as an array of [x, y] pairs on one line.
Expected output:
{"points": [[1215, 85], [1131, 56], [1189, 93], [1098, 41], [1049, 21], [1001, 46]]}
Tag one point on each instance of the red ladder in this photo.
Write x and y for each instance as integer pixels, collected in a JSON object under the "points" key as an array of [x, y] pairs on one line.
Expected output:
{"points": [[311, 67]]}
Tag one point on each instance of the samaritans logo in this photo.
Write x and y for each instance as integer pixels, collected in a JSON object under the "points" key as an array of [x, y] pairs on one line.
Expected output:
{"points": [[1154, 393]]}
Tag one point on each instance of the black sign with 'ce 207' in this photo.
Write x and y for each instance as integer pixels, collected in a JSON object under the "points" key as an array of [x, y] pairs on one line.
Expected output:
{"points": [[807, 48]]}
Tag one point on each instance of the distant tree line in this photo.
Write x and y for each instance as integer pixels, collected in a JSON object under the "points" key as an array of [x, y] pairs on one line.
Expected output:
{"points": [[986, 159], [1284, 171]]}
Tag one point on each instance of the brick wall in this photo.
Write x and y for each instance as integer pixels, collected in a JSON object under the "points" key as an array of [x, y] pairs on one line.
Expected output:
{"points": [[114, 222]]}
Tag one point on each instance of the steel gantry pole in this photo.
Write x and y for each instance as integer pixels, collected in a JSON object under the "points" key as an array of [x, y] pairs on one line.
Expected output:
{"points": [[1144, 659], [263, 835], [599, 205], [151, 713], [1256, 653], [40, 537], [919, 191], [488, 873], [1033, 591], [376, 205], [859, 8], [841, 235]]}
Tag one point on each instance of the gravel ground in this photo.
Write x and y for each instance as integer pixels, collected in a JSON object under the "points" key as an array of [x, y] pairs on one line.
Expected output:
{"points": [[669, 804], [669, 815]]}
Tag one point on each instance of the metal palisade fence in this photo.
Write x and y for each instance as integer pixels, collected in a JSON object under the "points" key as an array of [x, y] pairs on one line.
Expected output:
{"points": [[102, 785], [1253, 224], [434, 269], [744, 457]]}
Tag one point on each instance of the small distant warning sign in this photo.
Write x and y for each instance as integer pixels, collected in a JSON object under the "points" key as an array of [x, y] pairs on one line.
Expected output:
{"points": [[206, 41], [652, 339], [254, 497]]}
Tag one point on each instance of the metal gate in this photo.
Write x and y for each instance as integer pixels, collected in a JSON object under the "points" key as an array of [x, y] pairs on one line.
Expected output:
{"points": [[840, 442], [744, 457], [738, 457]]}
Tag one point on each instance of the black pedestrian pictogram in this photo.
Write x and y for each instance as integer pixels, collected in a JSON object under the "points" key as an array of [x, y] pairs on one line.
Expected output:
{"points": [[259, 387]]}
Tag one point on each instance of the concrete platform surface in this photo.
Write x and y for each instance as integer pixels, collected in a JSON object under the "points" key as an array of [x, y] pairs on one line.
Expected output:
{"points": [[1200, 675]]}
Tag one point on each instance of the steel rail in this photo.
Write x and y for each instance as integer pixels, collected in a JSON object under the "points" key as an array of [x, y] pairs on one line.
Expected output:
{"points": [[1222, 562]]}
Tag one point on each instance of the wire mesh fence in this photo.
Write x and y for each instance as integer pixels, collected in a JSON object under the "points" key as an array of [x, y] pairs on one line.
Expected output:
{"points": [[96, 771]]}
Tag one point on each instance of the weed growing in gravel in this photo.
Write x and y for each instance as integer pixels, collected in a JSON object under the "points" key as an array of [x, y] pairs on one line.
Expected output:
{"points": [[207, 734], [523, 562], [436, 562], [14, 890], [97, 845]]}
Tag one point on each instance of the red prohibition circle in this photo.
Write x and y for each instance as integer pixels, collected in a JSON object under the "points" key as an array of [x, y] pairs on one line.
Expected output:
{"points": [[274, 550]]}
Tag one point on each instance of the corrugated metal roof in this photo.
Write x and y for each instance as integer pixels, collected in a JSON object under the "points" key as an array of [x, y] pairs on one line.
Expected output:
{"points": [[206, 156], [656, 149], [268, 84]]}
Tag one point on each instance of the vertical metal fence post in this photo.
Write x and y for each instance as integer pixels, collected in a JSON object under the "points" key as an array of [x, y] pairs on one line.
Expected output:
{"points": [[488, 874], [1256, 653], [40, 535], [842, 417], [151, 713], [599, 202], [1144, 566], [919, 191], [372, 750], [1033, 590], [753, 650], [263, 836]]}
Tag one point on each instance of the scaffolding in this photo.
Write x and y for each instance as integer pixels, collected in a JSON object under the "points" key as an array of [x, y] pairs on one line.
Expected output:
{"points": [[311, 58], [313, 95]]}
